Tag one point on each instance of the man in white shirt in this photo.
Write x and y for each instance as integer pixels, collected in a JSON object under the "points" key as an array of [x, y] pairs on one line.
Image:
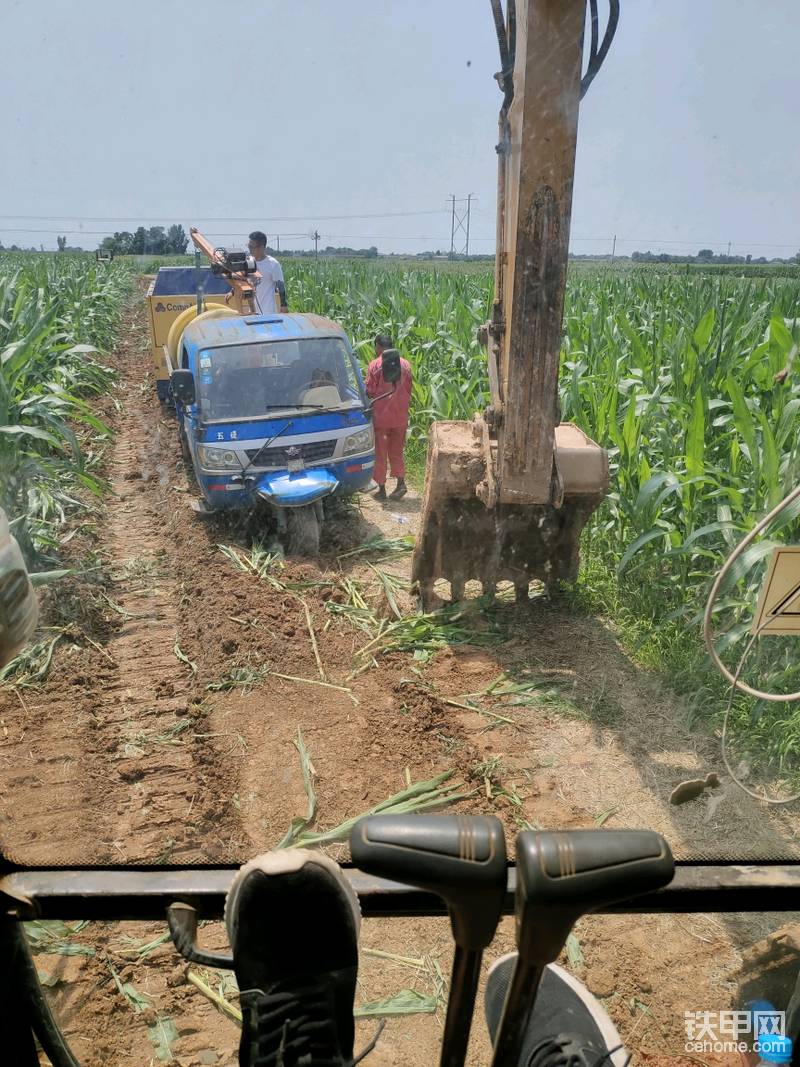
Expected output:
{"points": [[270, 291]]}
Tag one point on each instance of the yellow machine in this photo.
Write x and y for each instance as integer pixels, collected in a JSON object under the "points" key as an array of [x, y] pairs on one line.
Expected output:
{"points": [[171, 293], [179, 294]]}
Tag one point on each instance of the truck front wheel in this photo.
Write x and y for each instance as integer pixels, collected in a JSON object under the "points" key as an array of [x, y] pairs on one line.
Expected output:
{"points": [[302, 531], [186, 456]]}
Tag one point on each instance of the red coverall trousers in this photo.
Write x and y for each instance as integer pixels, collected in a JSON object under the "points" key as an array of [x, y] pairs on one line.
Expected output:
{"points": [[389, 443]]}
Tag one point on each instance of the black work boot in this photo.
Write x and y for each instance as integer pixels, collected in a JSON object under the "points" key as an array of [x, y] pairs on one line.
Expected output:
{"points": [[380, 493], [399, 490], [293, 920], [568, 1027]]}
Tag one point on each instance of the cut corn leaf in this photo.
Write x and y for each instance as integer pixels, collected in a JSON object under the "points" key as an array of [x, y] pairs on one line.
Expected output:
{"points": [[382, 544], [184, 658], [299, 824], [574, 953], [46, 577], [163, 1033], [137, 1001], [406, 1002], [604, 816]]}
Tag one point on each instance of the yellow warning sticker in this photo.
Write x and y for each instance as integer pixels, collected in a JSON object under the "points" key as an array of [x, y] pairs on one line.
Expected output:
{"points": [[779, 604]]}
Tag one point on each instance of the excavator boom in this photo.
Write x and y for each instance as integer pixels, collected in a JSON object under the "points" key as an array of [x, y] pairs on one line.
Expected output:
{"points": [[506, 496]]}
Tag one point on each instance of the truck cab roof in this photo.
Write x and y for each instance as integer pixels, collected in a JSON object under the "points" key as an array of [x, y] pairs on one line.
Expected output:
{"points": [[246, 329]]}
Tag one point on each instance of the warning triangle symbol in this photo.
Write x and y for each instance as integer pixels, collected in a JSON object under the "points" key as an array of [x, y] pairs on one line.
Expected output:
{"points": [[779, 604], [788, 604]]}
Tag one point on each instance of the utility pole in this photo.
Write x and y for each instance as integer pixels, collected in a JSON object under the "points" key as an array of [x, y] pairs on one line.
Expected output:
{"points": [[459, 224], [278, 239], [316, 244], [614, 248], [729, 247]]}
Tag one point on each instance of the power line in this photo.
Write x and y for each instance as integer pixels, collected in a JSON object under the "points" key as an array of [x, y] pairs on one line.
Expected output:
{"points": [[240, 218], [694, 241], [100, 233], [439, 240]]}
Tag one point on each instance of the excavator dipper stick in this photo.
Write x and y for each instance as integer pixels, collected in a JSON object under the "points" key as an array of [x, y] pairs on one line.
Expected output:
{"points": [[533, 240], [506, 496]]}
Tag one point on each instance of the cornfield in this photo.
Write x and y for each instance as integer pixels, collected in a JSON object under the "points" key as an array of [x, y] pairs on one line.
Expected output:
{"points": [[56, 313], [672, 372]]}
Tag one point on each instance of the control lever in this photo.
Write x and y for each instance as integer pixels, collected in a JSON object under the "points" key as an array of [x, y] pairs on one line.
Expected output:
{"points": [[463, 860], [561, 876]]}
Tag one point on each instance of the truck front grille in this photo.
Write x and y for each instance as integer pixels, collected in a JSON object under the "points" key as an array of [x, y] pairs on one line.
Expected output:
{"points": [[313, 452]]}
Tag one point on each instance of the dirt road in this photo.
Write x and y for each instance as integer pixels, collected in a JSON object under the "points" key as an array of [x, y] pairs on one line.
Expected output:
{"points": [[163, 732]]}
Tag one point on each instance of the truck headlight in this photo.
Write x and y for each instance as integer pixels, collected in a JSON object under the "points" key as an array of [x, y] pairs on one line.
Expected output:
{"points": [[359, 442], [216, 459]]}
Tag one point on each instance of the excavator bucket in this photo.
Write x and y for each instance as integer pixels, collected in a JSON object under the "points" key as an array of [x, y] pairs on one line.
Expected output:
{"points": [[468, 536], [506, 496]]}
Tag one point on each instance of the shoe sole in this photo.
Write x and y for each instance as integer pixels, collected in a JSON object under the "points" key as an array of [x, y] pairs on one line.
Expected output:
{"points": [[598, 1013], [287, 861]]}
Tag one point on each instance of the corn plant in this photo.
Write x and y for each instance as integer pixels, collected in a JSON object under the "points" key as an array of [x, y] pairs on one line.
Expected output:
{"points": [[55, 317]]}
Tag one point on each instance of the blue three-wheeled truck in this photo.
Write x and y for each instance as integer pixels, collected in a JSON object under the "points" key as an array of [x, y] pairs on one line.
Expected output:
{"points": [[271, 408]]}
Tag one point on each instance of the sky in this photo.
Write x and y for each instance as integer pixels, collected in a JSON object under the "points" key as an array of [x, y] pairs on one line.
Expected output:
{"points": [[282, 116]]}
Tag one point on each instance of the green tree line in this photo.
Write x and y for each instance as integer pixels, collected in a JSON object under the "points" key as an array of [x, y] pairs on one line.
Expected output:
{"points": [[152, 241]]}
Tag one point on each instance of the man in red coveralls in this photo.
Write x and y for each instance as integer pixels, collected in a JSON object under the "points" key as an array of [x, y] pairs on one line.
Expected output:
{"points": [[390, 414]]}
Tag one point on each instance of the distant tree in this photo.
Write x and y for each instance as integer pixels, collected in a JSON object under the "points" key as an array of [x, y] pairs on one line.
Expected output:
{"points": [[177, 240], [120, 244], [156, 241], [705, 255], [138, 241], [62, 243]]}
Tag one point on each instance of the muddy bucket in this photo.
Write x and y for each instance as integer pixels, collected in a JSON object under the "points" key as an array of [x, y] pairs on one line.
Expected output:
{"points": [[467, 534]]}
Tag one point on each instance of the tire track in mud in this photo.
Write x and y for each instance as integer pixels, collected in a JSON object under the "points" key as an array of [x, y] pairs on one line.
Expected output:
{"points": [[165, 774], [110, 761]]}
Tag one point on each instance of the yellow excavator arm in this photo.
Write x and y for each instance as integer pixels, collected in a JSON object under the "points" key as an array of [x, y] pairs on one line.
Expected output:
{"points": [[506, 496]]}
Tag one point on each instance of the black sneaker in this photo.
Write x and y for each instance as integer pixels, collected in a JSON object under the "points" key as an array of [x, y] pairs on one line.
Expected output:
{"points": [[569, 1027], [293, 922], [399, 490], [380, 493]]}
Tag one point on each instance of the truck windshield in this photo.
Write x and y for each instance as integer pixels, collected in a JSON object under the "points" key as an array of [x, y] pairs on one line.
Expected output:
{"points": [[252, 380]]}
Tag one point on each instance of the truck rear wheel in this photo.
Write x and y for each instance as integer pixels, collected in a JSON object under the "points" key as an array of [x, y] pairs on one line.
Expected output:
{"points": [[302, 531]]}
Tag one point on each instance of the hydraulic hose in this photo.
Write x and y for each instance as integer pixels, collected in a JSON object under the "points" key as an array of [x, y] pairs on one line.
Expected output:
{"points": [[715, 591], [34, 1012]]}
